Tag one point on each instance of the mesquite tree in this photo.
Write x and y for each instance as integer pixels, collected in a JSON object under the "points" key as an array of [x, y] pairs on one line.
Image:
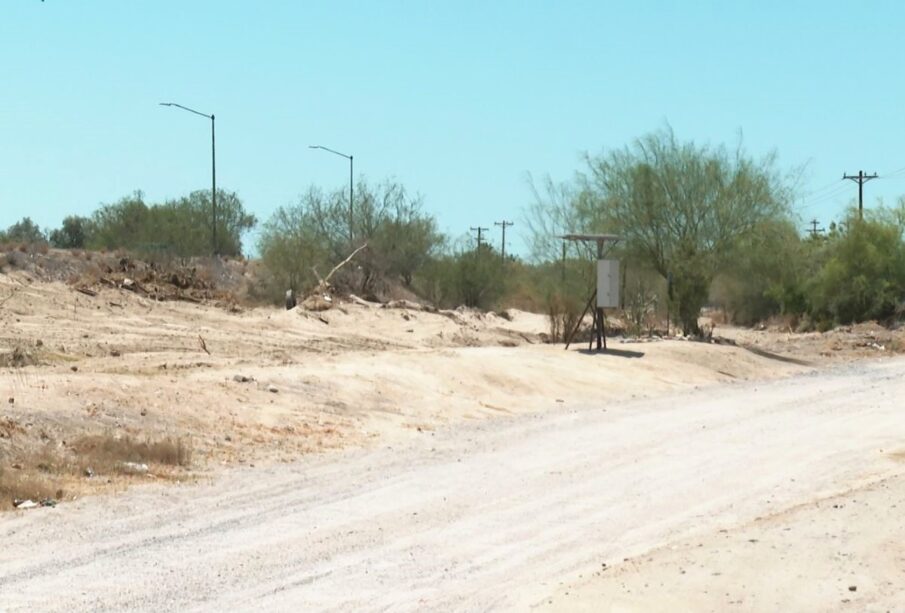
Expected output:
{"points": [[679, 206]]}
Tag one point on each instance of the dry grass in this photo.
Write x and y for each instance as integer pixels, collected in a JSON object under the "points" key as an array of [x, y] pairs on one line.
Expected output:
{"points": [[109, 452], [18, 358], [51, 471], [26, 484]]}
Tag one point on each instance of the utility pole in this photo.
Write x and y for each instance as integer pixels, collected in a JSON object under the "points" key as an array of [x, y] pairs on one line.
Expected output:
{"points": [[860, 179], [815, 231], [480, 232], [563, 265], [503, 224]]}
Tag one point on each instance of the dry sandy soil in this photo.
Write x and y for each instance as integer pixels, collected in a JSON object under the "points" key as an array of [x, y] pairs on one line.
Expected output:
{"points": [[374, 459]]}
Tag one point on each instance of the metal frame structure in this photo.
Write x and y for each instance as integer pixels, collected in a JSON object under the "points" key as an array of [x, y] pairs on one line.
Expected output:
{"points": [[599, 330]]}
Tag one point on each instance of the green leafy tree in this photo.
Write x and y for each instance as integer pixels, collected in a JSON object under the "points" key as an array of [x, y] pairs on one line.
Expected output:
{"points": [[764, 273], [73, 234], [24, 231], [180, 227], [680, 206], [290, 246]]}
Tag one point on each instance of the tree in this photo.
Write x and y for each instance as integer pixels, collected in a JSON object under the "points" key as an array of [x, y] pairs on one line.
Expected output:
{"points": [[314, 232], [680, 206], [290, 245], [180, 227], [123, 224], [73, 234], [24, 231], [764, 273]]}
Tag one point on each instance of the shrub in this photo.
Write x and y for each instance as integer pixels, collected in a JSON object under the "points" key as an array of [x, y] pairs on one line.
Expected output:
{"points": [[863, 274]]}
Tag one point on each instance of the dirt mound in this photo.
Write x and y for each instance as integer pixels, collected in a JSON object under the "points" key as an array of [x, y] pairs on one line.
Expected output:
{"points": [[193, 282], [228, 281]]}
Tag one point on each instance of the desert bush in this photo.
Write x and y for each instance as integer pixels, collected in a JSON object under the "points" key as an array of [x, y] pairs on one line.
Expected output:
{"points": [[862, 273], [176, 228], [564, 310], [763, 274], [32, 483], [643, 296], [314, 233]]}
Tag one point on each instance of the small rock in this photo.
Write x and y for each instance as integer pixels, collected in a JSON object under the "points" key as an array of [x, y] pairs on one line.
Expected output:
{"points": [[134, 468], [39, 343], [227, 438], [89, 472], [16, 466], [115, 353], [49, 502], [242, 379], [272, 389], [853, 588], [12, 400], [144, 412], [74, 368], [24, 505]]}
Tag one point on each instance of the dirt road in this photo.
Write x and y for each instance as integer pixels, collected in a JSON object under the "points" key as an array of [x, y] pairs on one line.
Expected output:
{"points": [[494, 515]]}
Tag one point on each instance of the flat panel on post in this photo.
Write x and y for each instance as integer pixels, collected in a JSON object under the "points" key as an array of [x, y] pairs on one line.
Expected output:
{"points": [[608, 284]]}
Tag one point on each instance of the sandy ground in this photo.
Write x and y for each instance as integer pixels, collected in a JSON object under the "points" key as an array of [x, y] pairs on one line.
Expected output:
{"points": [[510, 514], [126, 365], [840, 553]]}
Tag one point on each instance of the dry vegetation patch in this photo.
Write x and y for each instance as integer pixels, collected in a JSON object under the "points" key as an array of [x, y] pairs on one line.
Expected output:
{"points": [[19, 357], [55, 472]]}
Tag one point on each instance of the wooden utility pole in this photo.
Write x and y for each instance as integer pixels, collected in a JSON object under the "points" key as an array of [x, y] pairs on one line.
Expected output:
{"points": [[503, 224], [480, 232], [815, 231], [860, 179]]}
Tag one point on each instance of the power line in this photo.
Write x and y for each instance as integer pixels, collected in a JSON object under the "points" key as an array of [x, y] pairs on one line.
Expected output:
{"points": [[842, 188], [503, 224], [887, 175], [833, 185], [860, 179]]}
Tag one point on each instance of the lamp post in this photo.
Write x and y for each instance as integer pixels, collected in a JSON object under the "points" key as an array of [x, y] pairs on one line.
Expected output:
{"points": [[213, 172], [351, 182]]}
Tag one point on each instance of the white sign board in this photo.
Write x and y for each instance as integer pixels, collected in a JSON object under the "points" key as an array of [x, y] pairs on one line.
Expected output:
{"points": [[608, 284]]}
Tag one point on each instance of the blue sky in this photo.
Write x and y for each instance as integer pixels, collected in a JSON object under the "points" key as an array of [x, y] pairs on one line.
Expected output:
{"points": [[458, 100]]}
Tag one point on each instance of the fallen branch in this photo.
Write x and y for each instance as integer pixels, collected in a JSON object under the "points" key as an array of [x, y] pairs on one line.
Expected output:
{"points": [[343, 263], [319, 299], [203, 344], [86, 291]]}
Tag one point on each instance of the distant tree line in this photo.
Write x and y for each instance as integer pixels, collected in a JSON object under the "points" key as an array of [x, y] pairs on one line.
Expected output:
{"points": [[180, 227], [700, 225]]}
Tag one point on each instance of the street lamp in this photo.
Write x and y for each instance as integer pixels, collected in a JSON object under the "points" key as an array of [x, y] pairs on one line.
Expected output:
{"points": [[213, 171], [351, 184]]}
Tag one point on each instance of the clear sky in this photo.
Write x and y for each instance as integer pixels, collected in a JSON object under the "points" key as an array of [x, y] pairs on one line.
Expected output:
{"points": [[457, 100]]}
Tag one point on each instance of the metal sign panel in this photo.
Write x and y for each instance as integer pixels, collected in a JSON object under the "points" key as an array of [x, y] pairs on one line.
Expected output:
{"points": [[608, 284]]}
